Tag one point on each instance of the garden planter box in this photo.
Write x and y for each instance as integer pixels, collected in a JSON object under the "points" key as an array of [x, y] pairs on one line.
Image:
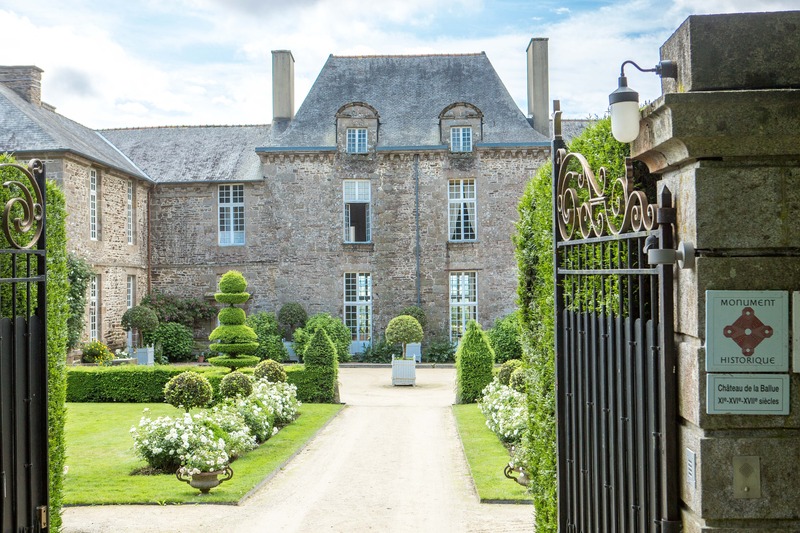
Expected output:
{"points": [[145, 356], [404, 372]]}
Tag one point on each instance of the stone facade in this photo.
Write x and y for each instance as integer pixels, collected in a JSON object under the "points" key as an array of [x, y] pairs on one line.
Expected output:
{"points": [[728, 150], [295, 247]]}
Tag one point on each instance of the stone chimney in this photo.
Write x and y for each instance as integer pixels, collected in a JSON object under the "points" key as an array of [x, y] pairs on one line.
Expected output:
{"points": [[539, 86], [26, 81], [282, 85]]}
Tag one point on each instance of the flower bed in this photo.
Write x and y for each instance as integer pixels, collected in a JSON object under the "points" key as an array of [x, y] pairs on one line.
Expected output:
{"points": [[505, 411], [208, 440]]}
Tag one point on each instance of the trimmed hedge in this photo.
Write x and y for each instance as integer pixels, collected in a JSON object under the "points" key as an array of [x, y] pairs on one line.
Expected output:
{"points": [[130, 383], [474, 363], [145, 384], [322, 367]]}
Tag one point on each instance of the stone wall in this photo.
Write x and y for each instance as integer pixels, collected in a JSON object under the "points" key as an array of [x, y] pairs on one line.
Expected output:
{"points": [[728, 149], [110, 255], [295, 248]]}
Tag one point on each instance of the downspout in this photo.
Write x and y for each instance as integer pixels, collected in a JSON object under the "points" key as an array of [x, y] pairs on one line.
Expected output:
{"points": [[149, 241], [416, 221]]}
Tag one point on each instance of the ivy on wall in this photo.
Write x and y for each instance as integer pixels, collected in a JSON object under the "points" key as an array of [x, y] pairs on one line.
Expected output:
{"points": [[536, 299]]}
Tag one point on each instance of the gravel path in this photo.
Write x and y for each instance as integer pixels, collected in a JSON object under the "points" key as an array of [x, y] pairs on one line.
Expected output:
{"points": [[390, 462]]}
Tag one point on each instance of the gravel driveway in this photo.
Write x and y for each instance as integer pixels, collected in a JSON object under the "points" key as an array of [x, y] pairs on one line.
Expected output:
{"points": [[390, 462]]}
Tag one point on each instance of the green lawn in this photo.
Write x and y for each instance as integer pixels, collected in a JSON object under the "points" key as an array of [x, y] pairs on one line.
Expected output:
{"points": [[100, 456], [487, 457]]}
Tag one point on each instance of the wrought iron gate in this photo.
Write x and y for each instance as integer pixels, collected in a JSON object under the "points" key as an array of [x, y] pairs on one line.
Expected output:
{"points": [[615, 367], [23, 354]]}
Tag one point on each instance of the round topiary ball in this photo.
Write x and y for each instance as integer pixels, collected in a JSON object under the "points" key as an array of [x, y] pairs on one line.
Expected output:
{"points": [[188, 390], [506, 369], [232, 316], [517, 380], [232, 282], [235, 385], [270, 370]]}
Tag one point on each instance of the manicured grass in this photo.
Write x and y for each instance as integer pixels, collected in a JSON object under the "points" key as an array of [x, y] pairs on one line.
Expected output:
{"points": [[487, 457], [100, 457]]}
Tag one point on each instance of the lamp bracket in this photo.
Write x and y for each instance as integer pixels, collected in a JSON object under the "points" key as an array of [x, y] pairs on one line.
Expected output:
{"points": [[665, 68]]}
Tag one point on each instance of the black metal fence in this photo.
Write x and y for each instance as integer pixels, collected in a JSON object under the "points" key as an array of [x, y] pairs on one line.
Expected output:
{"points": [[23, 354], [614, 354]]}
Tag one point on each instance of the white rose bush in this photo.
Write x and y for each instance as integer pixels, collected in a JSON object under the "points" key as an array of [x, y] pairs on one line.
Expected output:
{"points": [[505, 410], [210, 439]]}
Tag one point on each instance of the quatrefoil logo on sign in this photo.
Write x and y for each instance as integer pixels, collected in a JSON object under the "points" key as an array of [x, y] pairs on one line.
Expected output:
{"points": [[748, 331]]}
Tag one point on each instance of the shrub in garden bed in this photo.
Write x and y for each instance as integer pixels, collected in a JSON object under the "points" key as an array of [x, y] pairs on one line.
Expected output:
{"points": [[96, 352], [337, 332], [188, 390], [505, 410], [176, 341], [236, 384], [270, 370], [474, 362], [321, 367]]}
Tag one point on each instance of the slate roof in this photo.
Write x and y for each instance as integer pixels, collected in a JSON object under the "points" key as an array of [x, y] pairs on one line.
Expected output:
{"points": [[184, 154], [409, 93], [27, 127]]}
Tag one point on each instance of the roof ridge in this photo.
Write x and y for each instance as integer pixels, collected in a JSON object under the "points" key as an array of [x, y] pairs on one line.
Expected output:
{"points": [[185, 126], [369, 56]]}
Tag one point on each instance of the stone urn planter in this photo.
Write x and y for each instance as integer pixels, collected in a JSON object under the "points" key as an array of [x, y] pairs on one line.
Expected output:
{"points": [[404, 372], [205, 481]]}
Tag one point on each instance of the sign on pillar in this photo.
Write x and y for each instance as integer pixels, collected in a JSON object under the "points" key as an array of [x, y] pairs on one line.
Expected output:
{"points": [[747, 331]]}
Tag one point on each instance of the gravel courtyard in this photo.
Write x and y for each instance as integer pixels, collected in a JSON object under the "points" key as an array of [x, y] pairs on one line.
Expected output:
{"points": [[391, 461]]}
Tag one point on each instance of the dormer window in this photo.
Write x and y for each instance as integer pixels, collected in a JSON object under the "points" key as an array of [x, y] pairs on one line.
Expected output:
{"points": [[461, 139], [357, 130], [356, 140], [460, 127]]}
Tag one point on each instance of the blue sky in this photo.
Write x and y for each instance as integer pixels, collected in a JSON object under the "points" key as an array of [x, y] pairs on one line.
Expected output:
{"points": [[111, 63]]}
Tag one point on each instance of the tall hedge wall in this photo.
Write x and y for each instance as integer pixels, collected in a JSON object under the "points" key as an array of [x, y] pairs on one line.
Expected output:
{"points": [[534, 251], [57, 313]]}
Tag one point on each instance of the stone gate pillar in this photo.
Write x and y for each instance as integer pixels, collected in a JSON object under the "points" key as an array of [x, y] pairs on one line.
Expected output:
{"points": [[725, 138]]}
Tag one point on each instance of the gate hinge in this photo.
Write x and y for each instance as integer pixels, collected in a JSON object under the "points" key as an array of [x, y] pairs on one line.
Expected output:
{"points": [[42, 510]]}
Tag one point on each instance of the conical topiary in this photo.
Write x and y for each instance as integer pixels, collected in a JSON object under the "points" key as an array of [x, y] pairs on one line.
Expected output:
{"points": [[474, 362], [232, 338]]}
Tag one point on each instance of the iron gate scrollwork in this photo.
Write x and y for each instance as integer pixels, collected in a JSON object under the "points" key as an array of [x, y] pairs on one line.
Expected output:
{"points": [[615, 368], [23, 354]]}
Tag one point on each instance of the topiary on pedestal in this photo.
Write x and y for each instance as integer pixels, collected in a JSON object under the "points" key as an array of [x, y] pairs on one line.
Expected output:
{"points": [[232, 338]]}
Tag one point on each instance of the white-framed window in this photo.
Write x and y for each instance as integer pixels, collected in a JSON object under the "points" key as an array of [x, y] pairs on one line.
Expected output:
{"points": [[231, 215], [462, 209], [463, 302], [461, 139], [129, 212], [94, 307], [130, 293], [356, 211], [93, 182], [356, 140], [358, 305]]}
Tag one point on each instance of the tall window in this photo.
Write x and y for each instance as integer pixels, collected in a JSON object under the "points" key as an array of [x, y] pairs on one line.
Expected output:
{"points": [[231, 215], [461, 210], [358, 305], [356, 140], [356, 211], [463, 302], [130, 299], [94, 307], [93, 204], [129, 212], [460, 139]]}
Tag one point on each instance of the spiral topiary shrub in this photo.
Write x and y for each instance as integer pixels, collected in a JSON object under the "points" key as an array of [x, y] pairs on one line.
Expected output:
{"points": [[506, 369], [236, 385], [474, 362], [270, 370], [235, 341], [188, 390], [402, 330]]}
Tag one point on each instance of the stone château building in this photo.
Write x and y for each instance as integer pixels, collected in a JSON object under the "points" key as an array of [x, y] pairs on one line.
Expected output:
{"points": [[395, 183]]}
